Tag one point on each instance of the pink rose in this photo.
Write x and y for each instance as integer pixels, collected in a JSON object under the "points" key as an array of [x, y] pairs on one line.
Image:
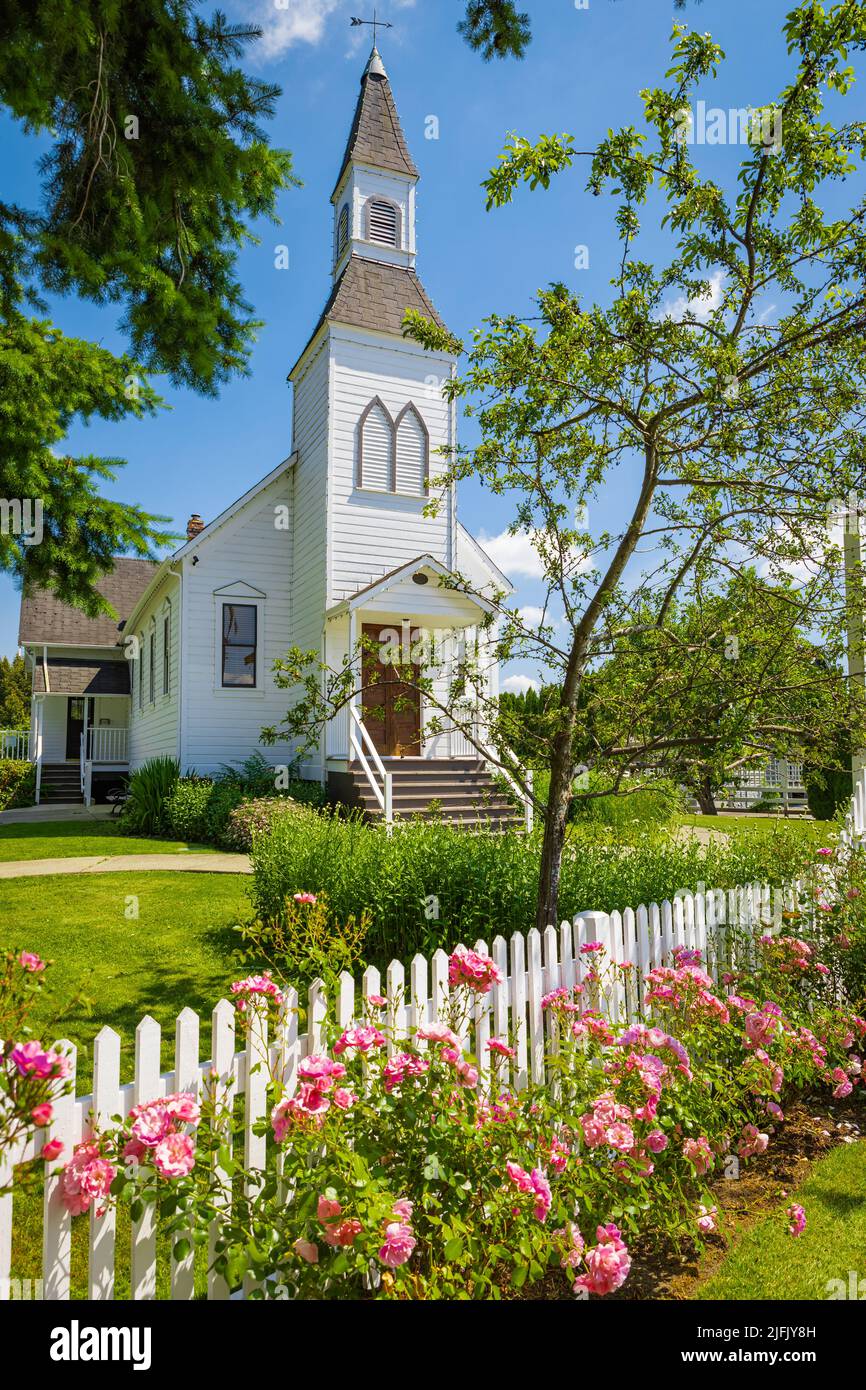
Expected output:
{"points": [[306, 1250], [327, 1209], [53, 1149], [656, 1141], [399, 1245], [174, 1156], [42, 1114], [28, 960]]}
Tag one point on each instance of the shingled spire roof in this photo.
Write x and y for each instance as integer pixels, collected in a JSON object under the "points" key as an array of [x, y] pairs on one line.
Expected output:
{"points": [[376, 136]]}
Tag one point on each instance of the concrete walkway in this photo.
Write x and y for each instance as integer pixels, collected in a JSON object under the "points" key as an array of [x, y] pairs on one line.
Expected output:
{"points": [[129, 863], [61, 811]]}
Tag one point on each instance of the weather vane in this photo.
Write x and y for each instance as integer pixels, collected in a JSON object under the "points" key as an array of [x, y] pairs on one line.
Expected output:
{"points": [[376, 22]]}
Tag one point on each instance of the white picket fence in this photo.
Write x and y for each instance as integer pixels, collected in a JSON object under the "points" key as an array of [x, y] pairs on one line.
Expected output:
{"points": [[531, 966]]}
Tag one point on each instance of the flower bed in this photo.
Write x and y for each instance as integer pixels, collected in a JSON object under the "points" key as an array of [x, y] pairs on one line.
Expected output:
{"points": [[399, 1163]]}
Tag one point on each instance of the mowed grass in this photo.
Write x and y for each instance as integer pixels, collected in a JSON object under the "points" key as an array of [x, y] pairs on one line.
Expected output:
{"points": [[76, 839], [769, 1263], [178, 951], [812, 831], [131, 944]]}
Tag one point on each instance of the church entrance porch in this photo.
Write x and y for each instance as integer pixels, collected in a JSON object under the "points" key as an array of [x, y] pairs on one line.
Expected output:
{"points": [[391, 707]]}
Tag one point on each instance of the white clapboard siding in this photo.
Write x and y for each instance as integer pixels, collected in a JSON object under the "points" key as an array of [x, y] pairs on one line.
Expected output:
{"points": [[531, 966], [411, 454]]}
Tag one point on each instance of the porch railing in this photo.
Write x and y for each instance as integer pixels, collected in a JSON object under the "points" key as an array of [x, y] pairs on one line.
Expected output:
{"points": [[359, 736], [15, 744], [108, 745]]}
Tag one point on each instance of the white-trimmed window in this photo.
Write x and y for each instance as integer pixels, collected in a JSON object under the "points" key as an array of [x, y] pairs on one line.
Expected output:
{"points": [[376, 448], [151, 643], [240, 645], [393, 455], [412, 452], [141, 671], [383, 222], [166, 649]]}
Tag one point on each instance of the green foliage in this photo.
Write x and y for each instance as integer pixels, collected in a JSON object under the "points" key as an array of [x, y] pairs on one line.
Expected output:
{"points": [[17, 783], [258, 817], [827, 789], [653, 801], [149, 788], [154, 172], [430, 884], [213, 809], [185, 808], [727, 429], [15, 684]]}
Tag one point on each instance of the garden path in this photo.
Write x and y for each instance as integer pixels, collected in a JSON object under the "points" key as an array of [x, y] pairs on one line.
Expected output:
{"points": [[124, 863]]}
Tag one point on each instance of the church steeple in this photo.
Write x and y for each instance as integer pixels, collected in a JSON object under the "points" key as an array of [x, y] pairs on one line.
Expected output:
{"points": [[374, 197]]}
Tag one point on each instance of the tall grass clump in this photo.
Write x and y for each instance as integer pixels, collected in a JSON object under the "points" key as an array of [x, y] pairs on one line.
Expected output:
{"points": [[430, 884]]}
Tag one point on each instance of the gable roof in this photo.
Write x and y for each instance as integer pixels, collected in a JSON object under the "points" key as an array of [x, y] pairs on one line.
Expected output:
{"points": [[376, 136], [47, 619], [387, 580], [375, 295]]}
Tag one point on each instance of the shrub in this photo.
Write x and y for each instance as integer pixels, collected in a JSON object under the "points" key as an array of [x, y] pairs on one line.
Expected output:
{"points": [[149, 788], [17, 783], [258, 817], [826, 790], [185, 808], [656, 804], [430, 884]]}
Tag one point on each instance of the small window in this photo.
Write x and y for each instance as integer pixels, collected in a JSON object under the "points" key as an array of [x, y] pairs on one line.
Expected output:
{"points": [[343, 230], [240, 640], [166, 653], [141, 671], [152, 667], [382, 223]]}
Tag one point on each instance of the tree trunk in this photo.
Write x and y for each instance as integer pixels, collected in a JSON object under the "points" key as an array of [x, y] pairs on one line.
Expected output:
{"points": [[558, 802], [706, 800]]}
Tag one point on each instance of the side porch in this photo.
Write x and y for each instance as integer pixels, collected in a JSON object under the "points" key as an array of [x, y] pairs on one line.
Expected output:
{"points": [[79, 728]]}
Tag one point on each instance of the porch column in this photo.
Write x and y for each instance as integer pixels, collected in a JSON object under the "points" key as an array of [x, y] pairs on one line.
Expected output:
{"points": [[36, 752]]}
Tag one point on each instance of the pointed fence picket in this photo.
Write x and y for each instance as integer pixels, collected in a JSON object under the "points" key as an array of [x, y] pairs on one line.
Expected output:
{"points": [[531, 965]]}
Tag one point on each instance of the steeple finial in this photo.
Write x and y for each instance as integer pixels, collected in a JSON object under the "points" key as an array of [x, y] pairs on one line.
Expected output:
{"points": [[375, 23], [375, 67]]}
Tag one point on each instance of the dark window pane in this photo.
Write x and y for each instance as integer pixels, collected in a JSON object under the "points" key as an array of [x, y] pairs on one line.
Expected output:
{"points": [[239, 623]]}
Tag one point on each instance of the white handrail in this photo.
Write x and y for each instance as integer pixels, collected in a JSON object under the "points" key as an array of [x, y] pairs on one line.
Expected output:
{"points": [[82, 761], [383, 795]]}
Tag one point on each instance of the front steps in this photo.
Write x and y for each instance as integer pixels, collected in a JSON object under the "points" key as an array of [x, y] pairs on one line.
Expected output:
{"points": [[60, 784], [461, 791]]}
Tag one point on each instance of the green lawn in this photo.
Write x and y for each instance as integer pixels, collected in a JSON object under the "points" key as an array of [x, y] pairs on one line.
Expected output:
{"points": [[75, 839], [178, 951], [769, 1263], [822, 832]]}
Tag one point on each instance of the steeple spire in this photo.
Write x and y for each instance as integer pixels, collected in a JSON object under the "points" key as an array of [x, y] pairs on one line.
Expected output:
{"points": [[376, 138]]}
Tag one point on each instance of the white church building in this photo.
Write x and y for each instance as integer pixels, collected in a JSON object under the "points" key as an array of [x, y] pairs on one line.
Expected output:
{"points": [[333, 546]]}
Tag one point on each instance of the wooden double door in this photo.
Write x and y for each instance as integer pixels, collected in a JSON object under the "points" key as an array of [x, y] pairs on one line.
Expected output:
{"points": [[391, 708]]}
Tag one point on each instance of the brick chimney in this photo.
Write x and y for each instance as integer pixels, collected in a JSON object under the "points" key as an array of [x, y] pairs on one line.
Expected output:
{"points": [[193, 526]]}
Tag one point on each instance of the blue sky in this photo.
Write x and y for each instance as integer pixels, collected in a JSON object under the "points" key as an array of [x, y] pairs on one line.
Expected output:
{"points": [[582, 74]]}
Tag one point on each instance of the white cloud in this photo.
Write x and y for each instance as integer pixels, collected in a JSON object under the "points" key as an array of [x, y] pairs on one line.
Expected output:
{"points": [[289, 22], [517, 556], [301, 21], [702, 305], [533, 617], [518, 685]]}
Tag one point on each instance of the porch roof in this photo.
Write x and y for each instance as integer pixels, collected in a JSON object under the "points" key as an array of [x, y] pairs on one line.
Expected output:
{"points": [[82, 676], [396, 576]]}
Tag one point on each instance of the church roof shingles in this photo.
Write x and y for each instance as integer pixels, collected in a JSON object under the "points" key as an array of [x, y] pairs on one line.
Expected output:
{"points": [[46, 618], [375, 295], [376, 136]]}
